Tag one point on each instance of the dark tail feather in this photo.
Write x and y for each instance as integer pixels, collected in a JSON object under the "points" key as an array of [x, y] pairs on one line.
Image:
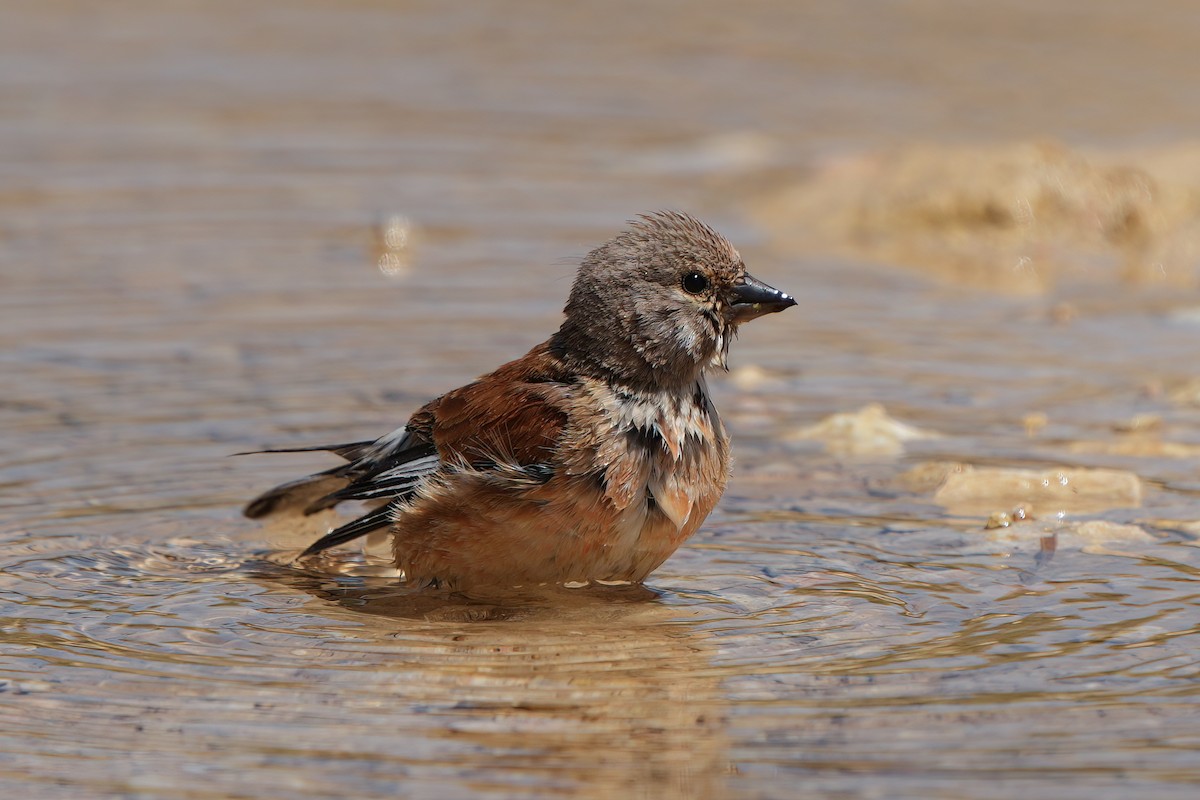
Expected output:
{"points": [[325, 501], [350, 451], [379, 518], [294, 495], [308, 494]]}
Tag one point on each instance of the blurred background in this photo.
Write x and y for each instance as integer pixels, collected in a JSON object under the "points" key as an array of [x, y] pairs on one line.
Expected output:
{"points": [[957, 554]]}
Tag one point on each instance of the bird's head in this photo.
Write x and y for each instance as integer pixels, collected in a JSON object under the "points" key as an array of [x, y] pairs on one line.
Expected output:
{"points": [[661, 301]]}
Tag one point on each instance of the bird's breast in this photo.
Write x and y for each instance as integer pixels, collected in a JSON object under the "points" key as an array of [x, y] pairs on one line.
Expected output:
{"points": [[666, 455]]}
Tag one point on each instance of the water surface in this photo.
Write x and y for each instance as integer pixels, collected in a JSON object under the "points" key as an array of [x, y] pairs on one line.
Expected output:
{"points": [[189, 206]]}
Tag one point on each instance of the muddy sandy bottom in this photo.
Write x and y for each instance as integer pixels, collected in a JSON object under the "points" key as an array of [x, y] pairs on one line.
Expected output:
{"points": [[958, 558]]}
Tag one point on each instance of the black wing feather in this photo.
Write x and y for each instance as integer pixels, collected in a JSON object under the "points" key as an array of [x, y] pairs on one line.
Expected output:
{"points": [[379, 518], [389, 468]]}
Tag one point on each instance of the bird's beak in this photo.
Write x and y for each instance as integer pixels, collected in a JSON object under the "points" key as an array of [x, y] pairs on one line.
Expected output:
{"points": [[752, 298]]}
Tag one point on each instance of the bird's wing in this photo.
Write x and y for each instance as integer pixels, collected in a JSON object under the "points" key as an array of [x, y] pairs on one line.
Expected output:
{"points": [[514, 416], [319, 491], [511, 417]]}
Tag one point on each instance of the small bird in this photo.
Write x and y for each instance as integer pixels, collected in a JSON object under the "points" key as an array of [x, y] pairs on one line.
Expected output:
{"points": [[593, 457]]}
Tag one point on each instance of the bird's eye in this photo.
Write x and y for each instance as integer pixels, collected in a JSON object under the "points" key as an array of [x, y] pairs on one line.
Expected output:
{"points": [[694, 283]]}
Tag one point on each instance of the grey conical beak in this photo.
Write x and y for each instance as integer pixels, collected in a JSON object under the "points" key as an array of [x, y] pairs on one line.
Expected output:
{"points": [[752, 298]]}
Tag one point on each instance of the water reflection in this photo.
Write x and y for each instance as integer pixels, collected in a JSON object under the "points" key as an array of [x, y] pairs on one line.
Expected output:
{"points": [[605, 689], [610, 690]]}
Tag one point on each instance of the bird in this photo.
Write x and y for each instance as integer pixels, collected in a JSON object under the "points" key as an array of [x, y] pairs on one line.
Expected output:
{"points": [[591, 458]]}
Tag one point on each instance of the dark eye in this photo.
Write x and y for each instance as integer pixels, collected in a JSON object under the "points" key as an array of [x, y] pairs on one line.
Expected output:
{"points": [[694, 283]]}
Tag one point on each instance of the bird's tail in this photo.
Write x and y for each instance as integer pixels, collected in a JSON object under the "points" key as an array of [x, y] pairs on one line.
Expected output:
{"points": [[293, 496], [304, 494]]}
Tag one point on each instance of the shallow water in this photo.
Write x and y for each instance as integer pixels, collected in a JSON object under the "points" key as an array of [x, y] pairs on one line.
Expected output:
{"points": [[189, 211]]}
